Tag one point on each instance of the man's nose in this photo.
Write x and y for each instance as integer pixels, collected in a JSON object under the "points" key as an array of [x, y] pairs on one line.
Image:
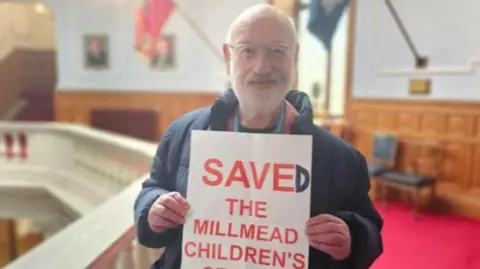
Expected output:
{"points": [[262, 64]]}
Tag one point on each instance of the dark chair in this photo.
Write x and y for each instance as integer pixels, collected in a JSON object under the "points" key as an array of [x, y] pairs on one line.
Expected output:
{"points": [[383, 154], [408, 179], [413, 181]]}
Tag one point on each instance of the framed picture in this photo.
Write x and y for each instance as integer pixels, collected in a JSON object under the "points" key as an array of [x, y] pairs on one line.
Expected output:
{"points": [[163, 56], [96, 51]]}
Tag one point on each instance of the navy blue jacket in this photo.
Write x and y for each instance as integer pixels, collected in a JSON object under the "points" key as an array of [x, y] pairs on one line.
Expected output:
{"points": [[340, 184]]}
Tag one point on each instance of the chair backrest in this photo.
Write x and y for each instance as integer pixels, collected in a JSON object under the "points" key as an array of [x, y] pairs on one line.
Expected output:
{"points": [[138, 123], [384, 148], [339, 127]]}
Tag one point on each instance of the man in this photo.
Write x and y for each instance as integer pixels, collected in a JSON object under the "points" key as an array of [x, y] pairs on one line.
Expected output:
{"points": [[260, 54], [96, 56], [163, 57]]}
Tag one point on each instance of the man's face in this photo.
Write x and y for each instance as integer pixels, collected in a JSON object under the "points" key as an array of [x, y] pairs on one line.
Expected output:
{"points": [[163, 47], [94, 47], [261, 63]]}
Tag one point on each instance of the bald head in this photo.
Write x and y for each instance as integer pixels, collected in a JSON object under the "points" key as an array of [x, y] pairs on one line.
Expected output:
{"points": [[262, 13], [260, 55]]}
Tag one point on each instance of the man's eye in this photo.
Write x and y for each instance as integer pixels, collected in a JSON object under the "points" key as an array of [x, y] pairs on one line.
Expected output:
{"points": [[277, 51], [246, 51]]}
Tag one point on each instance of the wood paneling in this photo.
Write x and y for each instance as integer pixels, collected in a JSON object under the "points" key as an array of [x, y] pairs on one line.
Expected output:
{"points": [[7, 238], [76, 106], [455, 126], [13, 246], [28, 242]]}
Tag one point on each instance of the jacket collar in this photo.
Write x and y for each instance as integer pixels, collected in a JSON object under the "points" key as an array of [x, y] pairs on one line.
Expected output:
{"points": [[226, 103]]}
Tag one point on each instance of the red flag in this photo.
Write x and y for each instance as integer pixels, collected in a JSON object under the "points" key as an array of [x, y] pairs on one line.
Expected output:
{"points": [[156, 14]]}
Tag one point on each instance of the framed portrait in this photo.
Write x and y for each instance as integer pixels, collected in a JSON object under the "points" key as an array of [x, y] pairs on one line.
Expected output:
{"points": [[96, 51], [163, 55]]}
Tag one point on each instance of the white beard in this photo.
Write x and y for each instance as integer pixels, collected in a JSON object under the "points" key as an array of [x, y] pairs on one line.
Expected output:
{"points": [[259, 103], [255, 103]]}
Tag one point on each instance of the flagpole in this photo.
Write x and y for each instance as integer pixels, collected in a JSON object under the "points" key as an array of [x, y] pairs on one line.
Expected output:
{"points": [[204, 37], [328, 82]]}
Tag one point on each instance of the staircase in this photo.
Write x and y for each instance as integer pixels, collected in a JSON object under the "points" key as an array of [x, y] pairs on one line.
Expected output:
{"points": [[14, 109], [31, 106], [26, 92], [18, 103], [38, 107], [10, 87]]}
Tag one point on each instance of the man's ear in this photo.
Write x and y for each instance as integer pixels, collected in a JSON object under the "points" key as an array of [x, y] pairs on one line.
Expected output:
{"points": [[227, 57]]}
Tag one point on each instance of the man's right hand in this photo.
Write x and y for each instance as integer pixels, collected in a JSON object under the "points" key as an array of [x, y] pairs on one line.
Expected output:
{"points": [[168, 211]]}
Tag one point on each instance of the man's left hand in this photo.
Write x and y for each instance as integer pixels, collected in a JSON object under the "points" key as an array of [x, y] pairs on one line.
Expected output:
{"points": [[329, 234]]}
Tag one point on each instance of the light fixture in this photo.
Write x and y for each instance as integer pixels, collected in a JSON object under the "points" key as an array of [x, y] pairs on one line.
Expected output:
{"points": [[40, 8]]}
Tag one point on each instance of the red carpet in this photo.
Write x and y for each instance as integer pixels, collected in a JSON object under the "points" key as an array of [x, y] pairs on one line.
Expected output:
{"points": [[433, 241]]}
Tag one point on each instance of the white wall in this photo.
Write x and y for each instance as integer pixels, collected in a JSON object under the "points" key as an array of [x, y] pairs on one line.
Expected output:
{"points": [[312, 60], [198, 67], [447, 31], [312, 63], [25, 26]]}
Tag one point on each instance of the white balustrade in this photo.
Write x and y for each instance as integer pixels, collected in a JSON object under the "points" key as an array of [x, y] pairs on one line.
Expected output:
{"points": [[78, 184]]}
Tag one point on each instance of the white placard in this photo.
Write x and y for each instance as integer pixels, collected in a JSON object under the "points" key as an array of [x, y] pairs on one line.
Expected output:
{"points": [[250, 199]]}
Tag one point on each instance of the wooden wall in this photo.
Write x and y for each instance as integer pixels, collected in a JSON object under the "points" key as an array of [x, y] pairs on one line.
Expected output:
{"points": [[7, 229], [13, 245], [76, 106], [454, 126], [28, 242]]}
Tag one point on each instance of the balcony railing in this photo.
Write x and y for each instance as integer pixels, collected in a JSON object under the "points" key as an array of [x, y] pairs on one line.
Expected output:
{"points": [[95, 175]]}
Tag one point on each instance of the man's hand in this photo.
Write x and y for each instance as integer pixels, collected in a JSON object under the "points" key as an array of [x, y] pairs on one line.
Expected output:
{"points": [[329, 234], [168, 211]]}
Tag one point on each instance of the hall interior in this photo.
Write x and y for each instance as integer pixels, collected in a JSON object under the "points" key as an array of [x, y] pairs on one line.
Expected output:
{"points": [[406, 70]]}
